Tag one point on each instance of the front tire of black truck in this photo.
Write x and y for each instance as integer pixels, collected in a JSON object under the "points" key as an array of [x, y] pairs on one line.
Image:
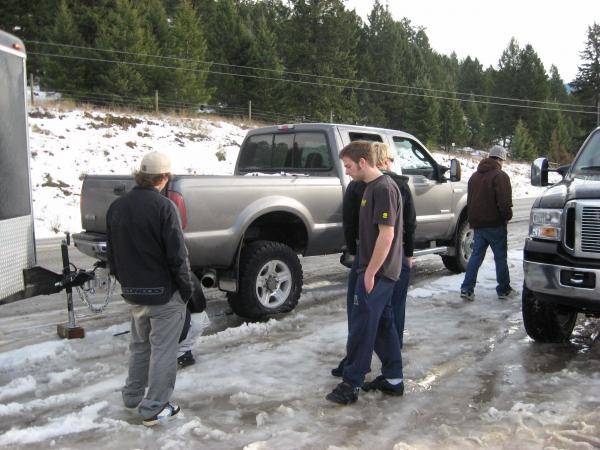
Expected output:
{"points": [[270, 281], [463, 245], [545, 321]]}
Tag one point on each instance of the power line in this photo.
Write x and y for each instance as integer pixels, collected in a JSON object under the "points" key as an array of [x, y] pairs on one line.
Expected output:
{"points": [[346, 80], [413, 94]]}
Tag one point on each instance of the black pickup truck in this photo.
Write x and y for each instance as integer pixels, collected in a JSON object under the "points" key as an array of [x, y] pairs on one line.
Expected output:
{"points": [[562, 253]]}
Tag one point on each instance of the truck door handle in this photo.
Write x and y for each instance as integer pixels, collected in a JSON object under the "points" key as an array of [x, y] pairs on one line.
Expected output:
{"points": [[576, 280]]}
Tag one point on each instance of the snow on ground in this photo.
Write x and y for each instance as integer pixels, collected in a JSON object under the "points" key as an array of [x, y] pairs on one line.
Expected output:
{"points": [[65, 145], [473, 380]]}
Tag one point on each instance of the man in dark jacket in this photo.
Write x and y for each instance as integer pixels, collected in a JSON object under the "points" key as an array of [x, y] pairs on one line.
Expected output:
{"points": [[147, 254], [489, 208]]}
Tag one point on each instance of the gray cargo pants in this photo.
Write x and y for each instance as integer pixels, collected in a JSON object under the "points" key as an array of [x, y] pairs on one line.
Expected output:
{"points": [[155, 331]]}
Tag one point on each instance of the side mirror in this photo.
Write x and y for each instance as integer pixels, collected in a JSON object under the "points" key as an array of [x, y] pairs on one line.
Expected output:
{"points": [[455, 170], [539, 172]]}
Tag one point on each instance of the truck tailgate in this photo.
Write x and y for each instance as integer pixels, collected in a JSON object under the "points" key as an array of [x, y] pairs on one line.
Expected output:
{"points": [[97, 193]]}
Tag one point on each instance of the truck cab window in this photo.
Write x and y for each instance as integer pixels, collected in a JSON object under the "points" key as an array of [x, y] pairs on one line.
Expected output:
{"points": [[289, 152], [369, 137], [588, 162], [412, 159], [257, 152]]}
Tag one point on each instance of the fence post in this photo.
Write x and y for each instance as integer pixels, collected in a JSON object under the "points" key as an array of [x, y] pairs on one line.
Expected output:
{"points": [[331, 116], [156, 101], [249, 110], [31, 87]]}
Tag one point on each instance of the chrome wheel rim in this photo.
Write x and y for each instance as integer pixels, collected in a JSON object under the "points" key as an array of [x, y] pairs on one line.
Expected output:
{"points": [[273, 284], [466, 245]]}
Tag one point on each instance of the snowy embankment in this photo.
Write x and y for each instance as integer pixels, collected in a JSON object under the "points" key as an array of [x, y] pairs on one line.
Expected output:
{"points": [[65, 145]]}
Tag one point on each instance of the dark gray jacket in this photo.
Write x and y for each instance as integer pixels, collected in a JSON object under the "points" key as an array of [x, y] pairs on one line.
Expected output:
{"points": [[146, 250]]}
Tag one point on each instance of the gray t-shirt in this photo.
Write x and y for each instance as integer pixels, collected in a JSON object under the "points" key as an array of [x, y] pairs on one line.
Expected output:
{"points": [[381, 205]]}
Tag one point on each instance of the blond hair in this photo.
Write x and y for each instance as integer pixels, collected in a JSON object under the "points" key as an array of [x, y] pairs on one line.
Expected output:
{"points": [[382, 153]]}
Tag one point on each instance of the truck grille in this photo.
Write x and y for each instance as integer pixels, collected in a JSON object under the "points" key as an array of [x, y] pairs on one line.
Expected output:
{"points": [[590, 229]]}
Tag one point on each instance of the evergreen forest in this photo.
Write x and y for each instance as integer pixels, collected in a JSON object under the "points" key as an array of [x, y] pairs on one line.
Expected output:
{"points": [[306, 60]]}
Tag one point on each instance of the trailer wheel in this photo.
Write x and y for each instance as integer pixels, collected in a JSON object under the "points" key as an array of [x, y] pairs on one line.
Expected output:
{"points": [[463, 243], [545, 321], [270, 280]]}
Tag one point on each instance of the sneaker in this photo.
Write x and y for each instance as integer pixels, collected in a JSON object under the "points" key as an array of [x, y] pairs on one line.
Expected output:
{"points": [[168, 413], [467, 295], [511, 293], [381, 384], [187, 359], [343, 394]]}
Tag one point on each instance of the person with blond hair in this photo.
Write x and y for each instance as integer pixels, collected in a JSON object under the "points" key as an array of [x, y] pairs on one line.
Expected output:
{"points": [[384, 159]]}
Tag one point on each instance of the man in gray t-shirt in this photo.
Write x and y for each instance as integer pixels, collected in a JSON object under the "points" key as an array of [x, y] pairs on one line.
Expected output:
{"points": [[381, 205], [380, 250]]}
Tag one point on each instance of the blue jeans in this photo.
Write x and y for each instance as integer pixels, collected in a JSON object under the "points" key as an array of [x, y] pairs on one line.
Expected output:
{"points": [[372, 329], [495, 238], [399, 298]]}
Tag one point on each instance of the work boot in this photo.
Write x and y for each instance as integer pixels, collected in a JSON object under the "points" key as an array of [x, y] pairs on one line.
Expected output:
{"points": [[167, 414], [187, 359], [381, 384], [343, 394]]}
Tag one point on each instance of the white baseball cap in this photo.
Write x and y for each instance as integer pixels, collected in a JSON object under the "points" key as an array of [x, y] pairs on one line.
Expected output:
{"points": [[155, 163], [498, 151]]}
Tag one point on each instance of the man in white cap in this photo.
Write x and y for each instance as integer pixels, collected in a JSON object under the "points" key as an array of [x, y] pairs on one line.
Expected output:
{"points": [[489, 208], [147, 254]]}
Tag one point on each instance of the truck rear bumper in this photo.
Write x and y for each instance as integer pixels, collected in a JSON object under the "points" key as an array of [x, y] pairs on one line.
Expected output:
{"points": [[91, 244], [571, 283]]}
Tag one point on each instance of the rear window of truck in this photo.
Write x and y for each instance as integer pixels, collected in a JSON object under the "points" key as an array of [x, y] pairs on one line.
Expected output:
{"points": [[289, 152]]}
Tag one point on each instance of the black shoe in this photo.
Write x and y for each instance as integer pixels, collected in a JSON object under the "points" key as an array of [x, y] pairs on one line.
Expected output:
{"points": [[338, 372], [381, 384], [343, 394], [187, 359]]}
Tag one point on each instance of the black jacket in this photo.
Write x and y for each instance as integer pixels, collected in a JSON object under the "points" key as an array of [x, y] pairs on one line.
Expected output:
{"points": [[489, 197], [408, 213], [351, 209], [146, 251]]}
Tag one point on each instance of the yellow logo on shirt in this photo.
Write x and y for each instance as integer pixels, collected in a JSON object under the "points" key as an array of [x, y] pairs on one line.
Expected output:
{"points": [[384, 215], [363, 202]]}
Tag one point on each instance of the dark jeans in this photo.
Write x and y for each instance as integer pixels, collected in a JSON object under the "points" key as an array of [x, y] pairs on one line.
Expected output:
{"points": [[399, 299], [372, 328], [352, 277], [496, 239]]}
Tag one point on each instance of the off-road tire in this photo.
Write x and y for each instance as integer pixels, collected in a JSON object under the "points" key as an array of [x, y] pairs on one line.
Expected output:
{"points": [[255, 257], [463, 244], [545, 321]]}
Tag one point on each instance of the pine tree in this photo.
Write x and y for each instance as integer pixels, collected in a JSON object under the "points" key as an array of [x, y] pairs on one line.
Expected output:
{"points": [[453, 125], [587, 82], [122, 29], [384, 58], [424, 116], [557, 151], [522, 145], [186, 86], [321, 38], [475, 136], [62, 73]]}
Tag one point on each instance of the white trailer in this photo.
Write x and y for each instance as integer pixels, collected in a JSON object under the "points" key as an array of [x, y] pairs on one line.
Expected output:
{"points": [[17, 241]]}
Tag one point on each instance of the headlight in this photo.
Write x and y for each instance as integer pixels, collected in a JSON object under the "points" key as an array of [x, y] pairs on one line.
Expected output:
{"points": [[545, 224]]}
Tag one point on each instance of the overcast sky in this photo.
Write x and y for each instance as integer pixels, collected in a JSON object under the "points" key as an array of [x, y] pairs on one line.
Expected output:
{"points": [[482, 29]]}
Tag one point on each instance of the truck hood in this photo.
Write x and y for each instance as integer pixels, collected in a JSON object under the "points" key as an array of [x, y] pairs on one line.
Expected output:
{"points": [[569, 189]]}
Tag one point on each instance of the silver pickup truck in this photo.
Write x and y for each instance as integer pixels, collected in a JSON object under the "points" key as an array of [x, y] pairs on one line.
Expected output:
{"points": [[244, 232]]}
